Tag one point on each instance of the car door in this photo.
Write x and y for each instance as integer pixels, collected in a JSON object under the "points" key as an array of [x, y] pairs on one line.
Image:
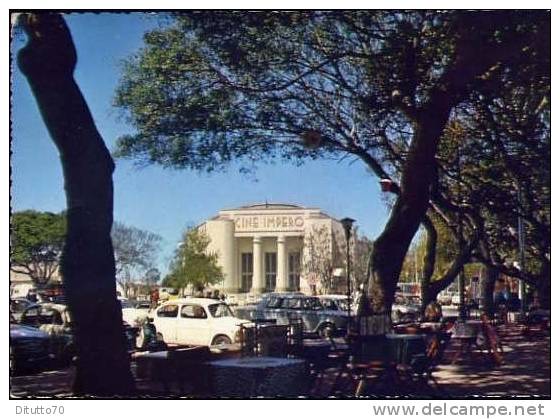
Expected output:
{"points": [[165, 321], [194, 325], [313, 312]]}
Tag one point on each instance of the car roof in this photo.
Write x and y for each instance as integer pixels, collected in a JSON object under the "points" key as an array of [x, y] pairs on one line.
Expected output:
{"points": [[287, 294], [195, 300]]}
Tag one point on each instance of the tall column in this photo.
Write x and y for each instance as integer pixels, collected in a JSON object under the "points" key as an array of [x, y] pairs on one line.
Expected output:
{"points": [[222, 242], [258, 271], [281, 277]]}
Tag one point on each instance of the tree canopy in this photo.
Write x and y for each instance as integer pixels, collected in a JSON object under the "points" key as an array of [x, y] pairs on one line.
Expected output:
{"points": [[193, 264], [209, 88], [37, 239]]}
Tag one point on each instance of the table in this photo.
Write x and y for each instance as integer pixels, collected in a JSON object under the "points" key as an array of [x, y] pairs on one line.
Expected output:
{"points": [[257, 377]]}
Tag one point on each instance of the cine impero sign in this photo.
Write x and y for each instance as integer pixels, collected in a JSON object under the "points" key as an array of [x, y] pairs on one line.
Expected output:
{"points": [[269, 223]]}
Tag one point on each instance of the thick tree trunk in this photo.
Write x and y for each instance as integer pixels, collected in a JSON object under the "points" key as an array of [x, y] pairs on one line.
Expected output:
{"points": [[419, 173], [88, 265], [490, 275], [428, 264]]}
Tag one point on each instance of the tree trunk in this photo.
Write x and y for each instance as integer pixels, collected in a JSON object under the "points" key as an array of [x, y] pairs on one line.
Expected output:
{"points": [[87, 266], [487, 283], [429, 263], [419, 173], [543, 288]]}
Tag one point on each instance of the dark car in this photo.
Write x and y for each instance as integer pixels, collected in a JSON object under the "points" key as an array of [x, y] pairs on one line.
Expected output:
{"points": [[29, 347], [281, 307]]}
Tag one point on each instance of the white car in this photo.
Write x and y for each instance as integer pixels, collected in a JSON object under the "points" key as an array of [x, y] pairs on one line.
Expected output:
{"points": [[196, 321], [135, 313]]}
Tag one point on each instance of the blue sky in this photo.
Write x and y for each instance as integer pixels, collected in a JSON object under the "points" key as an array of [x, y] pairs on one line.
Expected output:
{"points": [[151, 198]]}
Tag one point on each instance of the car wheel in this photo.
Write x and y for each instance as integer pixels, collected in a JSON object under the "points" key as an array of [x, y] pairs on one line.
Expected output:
{"points": [[221, 340], [326, 330]]}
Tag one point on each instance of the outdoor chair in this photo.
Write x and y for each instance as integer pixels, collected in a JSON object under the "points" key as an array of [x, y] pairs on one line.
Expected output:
{"points": [[367, 367], [295, 337], [272, 340], [422, 366], [332, 362], [248, 340], [181, 366], [491, 341], [536, 324]]}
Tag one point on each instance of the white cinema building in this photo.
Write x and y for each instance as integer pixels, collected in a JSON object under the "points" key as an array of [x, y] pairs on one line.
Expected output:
{"points": [[276, 247]]}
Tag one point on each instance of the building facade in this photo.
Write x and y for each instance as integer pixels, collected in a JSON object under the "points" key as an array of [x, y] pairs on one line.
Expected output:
{"points": [[277, 247]]}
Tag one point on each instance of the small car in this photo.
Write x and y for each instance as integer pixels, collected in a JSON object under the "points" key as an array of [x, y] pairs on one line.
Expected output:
{"points": [[29, 347], [196, 321], [135, 313], [317, 318]]}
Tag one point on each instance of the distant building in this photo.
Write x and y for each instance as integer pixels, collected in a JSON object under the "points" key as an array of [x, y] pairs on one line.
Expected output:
{"points": [[21, 284], [277, 247]]}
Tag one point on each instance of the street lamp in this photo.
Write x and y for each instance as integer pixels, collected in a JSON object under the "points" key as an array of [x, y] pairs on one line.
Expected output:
{"points": [[347, 225]]}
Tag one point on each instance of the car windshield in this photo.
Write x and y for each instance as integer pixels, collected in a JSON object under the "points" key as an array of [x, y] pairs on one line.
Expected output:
{"points": [[312, 304], [220, 310], [343, 304]]}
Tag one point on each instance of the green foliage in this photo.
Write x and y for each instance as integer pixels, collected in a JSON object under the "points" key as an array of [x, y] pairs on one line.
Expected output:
{"points": [[497, 157], [212, 87], [446, 249], [209, 88], [193, 264], [37, 239]]}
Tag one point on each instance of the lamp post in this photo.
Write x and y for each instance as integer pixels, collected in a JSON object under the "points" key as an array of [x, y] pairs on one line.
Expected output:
{"points": [[347, 225]]}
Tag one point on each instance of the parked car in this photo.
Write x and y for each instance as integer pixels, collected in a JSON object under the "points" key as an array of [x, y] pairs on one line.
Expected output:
{"points": [[55, 320], [29, 347], [135, 312], [406, 308], [18, 306], [196, 321], [317, 318], [337, 302]]}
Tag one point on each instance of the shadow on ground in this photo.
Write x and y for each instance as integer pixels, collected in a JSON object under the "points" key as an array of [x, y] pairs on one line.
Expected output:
{"points": [[525, 372]]}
